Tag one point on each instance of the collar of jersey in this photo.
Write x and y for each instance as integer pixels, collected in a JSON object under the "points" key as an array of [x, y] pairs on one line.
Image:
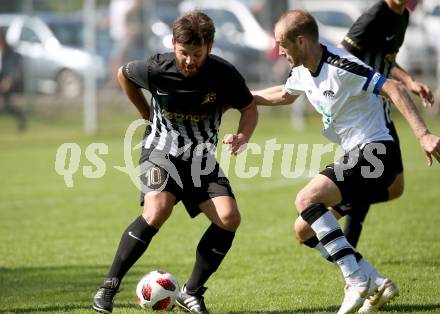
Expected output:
{"points": [[321, 62]]}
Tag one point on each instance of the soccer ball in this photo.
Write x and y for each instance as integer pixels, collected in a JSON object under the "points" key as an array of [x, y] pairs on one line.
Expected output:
{"points": [[157, 290]]}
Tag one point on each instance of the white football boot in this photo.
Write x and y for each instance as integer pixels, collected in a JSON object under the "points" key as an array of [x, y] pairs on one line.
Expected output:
{"points": [[386, 291], [355, 296]]}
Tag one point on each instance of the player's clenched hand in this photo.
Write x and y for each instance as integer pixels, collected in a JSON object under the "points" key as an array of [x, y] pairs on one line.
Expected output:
{"points": [[237, 143], [431, 146], [424, 93]]}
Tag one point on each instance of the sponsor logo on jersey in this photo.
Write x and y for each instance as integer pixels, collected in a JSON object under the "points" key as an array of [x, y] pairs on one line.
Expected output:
{"points": [[209, 98], [390, 57], [185, 117], [329, 94]]}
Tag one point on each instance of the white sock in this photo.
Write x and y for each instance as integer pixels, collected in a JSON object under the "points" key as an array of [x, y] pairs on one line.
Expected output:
{"points": [[371, 271], [321, 249], [327, 225], [358, 278]]}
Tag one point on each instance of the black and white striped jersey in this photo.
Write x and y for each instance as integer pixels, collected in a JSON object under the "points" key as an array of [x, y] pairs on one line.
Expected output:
{"points": [[186, 111], [375, 38]]}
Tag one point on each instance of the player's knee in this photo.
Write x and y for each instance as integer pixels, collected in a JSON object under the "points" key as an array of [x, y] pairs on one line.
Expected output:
{"points": [[302, 201], [302, 230], [397, 188], [231, 219], [395, 192], [157, 209]]}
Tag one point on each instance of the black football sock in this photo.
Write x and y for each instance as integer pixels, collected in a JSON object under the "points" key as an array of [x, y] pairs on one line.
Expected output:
{"points": [[133, 244], [354, 222], [211, 250]]}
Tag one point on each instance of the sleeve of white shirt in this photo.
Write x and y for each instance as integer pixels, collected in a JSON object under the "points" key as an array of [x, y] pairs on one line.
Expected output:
{"points": [[363, 81], [355, 84], [374, 82], [293, 85]]}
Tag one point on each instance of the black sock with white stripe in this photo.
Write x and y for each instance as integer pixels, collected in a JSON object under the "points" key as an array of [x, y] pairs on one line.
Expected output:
{"points": [[211, 251], [330, 235], [133, 244]]}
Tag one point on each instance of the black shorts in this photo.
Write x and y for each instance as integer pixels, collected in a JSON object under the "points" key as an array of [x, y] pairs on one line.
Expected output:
{"points": [[182, 178], [365, 170], [393, 133]]}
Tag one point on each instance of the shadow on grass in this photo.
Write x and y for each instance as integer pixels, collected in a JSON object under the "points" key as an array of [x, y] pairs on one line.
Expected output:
{"points": [[400, 308], [329, 309], [58, 289], [408, 308], [62, 308], [61, 289]]}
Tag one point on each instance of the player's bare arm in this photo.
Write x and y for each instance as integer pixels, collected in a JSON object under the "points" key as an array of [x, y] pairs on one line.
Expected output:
{"points": [[418, 88], [397, 93], [135, 95], [246, 126], [273, 96]]}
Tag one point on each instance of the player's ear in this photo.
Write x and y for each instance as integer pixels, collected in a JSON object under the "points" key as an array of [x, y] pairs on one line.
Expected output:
{"points": [[209, 46], [300, 40], [174, 42]]}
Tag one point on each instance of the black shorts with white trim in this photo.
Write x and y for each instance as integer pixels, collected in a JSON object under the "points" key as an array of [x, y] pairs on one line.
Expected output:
{"points": [[188, 183], [364, 174]]}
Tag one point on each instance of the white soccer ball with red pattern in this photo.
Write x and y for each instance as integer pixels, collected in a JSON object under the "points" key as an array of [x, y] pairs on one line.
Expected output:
{"points": [[157, 290]]}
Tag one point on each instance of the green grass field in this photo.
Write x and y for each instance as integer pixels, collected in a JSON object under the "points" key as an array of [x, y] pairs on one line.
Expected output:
{"points": [[56, 243]]}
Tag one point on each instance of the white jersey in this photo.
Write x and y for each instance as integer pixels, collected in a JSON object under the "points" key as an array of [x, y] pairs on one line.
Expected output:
{"points": [[344, 91]]}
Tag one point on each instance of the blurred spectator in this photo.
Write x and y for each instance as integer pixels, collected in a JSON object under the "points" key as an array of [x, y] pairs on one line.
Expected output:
{"points": [[118, 32], [11, 75], [128, 30], [118, 11], [135, 21]]}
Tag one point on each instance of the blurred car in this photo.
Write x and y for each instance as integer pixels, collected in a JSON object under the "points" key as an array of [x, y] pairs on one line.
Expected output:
{"points": [[239, 37], [50, 67], [68, 28], [417, 54], [431, 19], [235, 20], [334, 18]]}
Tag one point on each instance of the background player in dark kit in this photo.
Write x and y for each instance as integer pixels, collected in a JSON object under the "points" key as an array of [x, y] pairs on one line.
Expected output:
{"points": [[375, 38]]}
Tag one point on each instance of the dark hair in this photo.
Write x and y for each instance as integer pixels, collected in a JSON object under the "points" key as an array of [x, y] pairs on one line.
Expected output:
{"points": [[299, 22], [194, 28]]}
